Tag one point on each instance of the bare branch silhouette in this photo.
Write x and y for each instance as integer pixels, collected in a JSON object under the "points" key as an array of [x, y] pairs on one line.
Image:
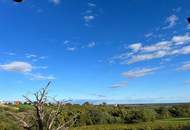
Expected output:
{"points": [[40, 112]]}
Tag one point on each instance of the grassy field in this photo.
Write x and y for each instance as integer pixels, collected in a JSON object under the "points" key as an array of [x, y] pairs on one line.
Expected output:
{"points": [[167, 124]]}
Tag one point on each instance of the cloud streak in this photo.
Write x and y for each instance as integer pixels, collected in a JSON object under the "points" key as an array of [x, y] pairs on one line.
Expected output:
{"points": [[139, 72], [55, 2], [40, 77], [90, 14], [184, 67], [35, 57], [137, 52], [91, 45], [171, 21], [89, 18], [71, 48], [120, 85]]}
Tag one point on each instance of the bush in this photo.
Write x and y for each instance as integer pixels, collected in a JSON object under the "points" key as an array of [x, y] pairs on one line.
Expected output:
{"points": [[136, 116], [163, 113], [24, 108]]}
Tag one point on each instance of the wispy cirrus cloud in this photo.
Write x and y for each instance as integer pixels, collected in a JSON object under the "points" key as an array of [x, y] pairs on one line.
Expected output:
{"points": [[91, 45], [90, 14], [119, 85], [136, 73], [98, 95], [71, 48], [184, 67], [181, 39], [135, 47], [35, 57], [171, 21], [66, 42], [148, 35], [136, 52], [91, 4], [55, 2], [88, 18], [40, 77], [30, 56], [74, 45]]}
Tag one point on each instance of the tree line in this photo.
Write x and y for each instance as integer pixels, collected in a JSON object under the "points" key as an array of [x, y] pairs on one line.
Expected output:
{"points": [[40, 114]]}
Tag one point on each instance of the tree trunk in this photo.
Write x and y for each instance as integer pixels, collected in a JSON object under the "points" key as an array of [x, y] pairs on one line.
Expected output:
{"points": [[39, 120], [40, 125]]}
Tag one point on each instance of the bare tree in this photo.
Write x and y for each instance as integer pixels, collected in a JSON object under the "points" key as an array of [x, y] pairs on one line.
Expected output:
{"points": [[40, 122]]}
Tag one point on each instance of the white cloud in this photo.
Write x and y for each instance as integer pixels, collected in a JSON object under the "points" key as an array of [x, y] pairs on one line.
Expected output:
{"points": [[139, 72], [181, 39], [184, 67], [135, 46], [177, 45], [26, 69], [171, 21], [43, 57], [17, 66], [55, 2], [148, 35], [143, 57], [91, 45], [163, 45], [30, 56], [120, 85], [98, 95], [71, 48], [91, 5], [89, 18], [185, 50], [41, 77], [66, 42], [34, 57], [90, 14]]}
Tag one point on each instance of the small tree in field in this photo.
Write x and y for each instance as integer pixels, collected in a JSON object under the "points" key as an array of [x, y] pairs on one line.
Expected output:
{"points": [[41, 118]]}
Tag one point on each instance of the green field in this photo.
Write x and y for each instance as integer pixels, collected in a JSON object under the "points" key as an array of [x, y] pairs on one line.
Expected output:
{"points": [[166, 124]]}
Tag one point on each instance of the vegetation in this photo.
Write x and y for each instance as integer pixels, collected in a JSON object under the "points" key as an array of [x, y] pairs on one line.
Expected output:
{"points": [[37, 114], [41, 114], [109, 117], [174, 124]]}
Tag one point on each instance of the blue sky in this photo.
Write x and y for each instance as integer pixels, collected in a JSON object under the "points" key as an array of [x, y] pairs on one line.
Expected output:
{"points": [[116, 51]]}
